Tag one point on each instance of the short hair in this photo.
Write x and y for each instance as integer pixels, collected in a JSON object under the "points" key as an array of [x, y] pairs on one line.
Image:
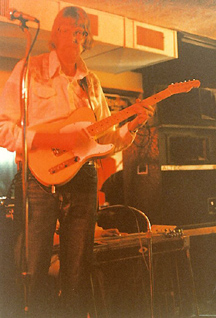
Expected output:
{"points": [[74, 13]]}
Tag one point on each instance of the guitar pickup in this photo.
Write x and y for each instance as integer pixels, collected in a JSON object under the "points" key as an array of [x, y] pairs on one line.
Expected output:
{"points": [[61, 166]]}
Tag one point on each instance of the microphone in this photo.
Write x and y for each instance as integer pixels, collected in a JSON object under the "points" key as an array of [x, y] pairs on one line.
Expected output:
{"points": [[13, 14]]}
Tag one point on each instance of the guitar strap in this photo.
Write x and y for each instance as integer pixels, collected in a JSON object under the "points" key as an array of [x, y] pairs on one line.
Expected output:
{"points": [[84, 85]]}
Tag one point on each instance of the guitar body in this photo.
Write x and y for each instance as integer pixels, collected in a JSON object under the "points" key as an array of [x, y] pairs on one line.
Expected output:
{"points": [[56, 166]]}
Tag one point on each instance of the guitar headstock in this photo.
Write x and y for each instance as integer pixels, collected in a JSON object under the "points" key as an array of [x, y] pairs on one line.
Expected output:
{"points": [[183, 87]]}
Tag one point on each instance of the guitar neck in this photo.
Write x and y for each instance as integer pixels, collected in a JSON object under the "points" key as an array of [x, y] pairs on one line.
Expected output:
{"points": [[98, 128]]}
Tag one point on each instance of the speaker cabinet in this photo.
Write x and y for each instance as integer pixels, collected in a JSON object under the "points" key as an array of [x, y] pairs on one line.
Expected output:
{"points": [[172, 178], [188, 197], [188, 176], [197, 107], [178, 198]]}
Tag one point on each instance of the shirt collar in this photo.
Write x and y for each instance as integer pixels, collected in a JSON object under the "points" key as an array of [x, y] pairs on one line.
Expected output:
{"points": [[55, 66]]}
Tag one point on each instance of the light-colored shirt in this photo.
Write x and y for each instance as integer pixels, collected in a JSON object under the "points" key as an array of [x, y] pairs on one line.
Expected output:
{"points": [[52, 96]]}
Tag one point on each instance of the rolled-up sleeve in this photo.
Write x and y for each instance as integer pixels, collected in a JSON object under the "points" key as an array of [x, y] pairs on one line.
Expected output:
{"points": [[10, 115]]}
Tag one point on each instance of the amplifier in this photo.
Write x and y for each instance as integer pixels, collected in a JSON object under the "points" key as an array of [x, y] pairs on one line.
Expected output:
{"points": [[133, 245], [121, 276]]}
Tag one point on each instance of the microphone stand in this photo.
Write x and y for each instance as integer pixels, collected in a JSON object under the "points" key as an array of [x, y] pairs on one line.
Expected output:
{"points": [[24, 99], [24, 116]]}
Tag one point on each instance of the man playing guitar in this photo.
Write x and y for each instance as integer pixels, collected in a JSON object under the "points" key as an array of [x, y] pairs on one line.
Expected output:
{"points": [[63, 96]]}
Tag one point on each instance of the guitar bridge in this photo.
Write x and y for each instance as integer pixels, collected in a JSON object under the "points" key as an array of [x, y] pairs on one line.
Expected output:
{"points": [[64, 165]]}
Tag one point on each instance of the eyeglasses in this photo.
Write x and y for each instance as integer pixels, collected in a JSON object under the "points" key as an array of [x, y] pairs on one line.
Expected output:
{"points": [[79, 34]]}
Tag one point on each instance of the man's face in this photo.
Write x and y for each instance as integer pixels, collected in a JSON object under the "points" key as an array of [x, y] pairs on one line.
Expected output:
{"points": [[70, 38]]}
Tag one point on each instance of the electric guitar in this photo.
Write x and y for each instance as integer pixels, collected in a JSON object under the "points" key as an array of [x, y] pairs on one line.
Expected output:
{"points": [[57, 166]]}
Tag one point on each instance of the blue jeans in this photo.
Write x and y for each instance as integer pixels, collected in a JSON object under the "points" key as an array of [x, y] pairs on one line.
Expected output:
{"points": [[75, 205]]}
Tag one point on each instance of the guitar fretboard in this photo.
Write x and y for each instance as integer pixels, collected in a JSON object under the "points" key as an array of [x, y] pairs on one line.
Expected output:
{"points": [[100, 127]]}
